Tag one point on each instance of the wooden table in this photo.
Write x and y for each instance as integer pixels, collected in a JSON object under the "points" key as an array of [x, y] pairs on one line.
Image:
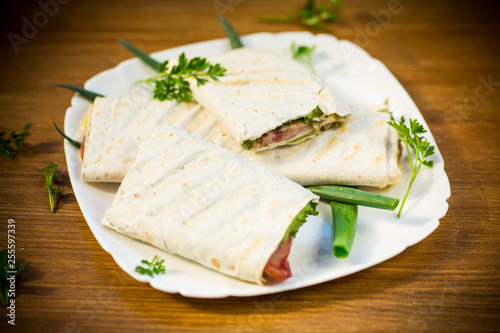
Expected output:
{"points": [[445, 53]]}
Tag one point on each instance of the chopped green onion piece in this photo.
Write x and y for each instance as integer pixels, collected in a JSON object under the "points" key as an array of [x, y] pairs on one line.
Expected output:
{"points": [[345, 218], [354, 196], [90, 95], [141, 55], [231, 34], [73, 142]]}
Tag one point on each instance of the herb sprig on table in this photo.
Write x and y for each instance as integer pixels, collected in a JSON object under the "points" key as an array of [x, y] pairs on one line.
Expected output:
{"points": [[15, 141], [416, 145], [310, 15], [50, 173], [153, 267], [8, 268], [172, 84]]}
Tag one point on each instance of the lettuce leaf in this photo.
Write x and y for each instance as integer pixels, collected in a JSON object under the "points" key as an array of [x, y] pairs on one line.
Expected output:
{"points": [[310, 209]]}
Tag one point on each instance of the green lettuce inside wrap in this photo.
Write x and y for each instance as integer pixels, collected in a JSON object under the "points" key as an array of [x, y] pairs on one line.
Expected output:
{"points": [[309, 209]]}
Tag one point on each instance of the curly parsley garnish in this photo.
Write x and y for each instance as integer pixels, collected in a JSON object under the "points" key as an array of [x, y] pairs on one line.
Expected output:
{"points": [[420, 148], [9, 268], [302, 54], [310, 15], [14, 142], [171, 83], [153, 267], [50, 173]]}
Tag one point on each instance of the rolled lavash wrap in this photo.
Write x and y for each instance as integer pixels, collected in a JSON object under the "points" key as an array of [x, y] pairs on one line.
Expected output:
{"points": [[115, 128], [267, 99], [197, 200], [363, 152]]}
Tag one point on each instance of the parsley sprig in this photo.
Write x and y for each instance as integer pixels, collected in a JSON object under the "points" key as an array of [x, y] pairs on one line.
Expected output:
{"points": [[416, 145], [153, 267], [172, 84], [50, 173], [310, 15], [7, 266], [303, 53], [14, 142]]}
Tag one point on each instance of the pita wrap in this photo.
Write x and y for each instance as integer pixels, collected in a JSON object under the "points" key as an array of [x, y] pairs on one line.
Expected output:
{"points": [[267, 99], [192, 198], [115, 128]]}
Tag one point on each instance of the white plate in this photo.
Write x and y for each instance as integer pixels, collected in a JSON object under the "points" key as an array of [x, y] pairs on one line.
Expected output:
{"points": [[359, 80]]}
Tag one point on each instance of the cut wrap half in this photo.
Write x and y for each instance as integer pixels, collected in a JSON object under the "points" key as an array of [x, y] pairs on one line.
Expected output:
{"points": [[267, 99], [205, 203], [115, 126]]}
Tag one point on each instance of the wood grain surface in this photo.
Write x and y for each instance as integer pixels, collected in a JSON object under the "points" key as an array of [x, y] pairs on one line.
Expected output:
{"points": [[445, 53]]}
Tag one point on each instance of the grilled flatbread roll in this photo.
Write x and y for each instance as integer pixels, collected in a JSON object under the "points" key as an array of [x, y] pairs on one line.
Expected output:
{"points": [[115, 128], [192, 198], [267, 99]]}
